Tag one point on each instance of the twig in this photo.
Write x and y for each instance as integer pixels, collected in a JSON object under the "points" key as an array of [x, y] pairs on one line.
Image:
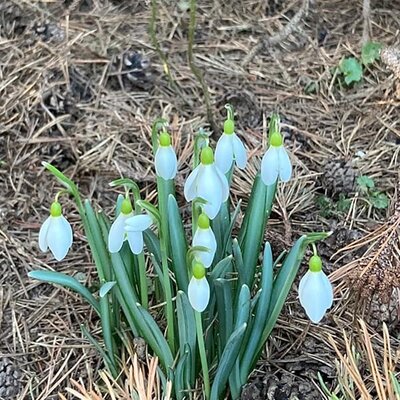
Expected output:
{"points": [[264, 43], [366, 19], [161, 54], [196, 71]]}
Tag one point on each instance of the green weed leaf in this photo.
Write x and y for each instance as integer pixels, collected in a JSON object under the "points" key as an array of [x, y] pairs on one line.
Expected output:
{"points": [[379, 200], [365, 183], [370, 52], [351, 69]]}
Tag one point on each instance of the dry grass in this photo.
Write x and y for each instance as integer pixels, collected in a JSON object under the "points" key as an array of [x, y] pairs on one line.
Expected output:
{"points": [[66, 98]]}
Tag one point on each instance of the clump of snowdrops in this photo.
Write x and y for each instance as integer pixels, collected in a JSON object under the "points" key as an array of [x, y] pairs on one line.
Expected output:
{"points": [[220, 301]]}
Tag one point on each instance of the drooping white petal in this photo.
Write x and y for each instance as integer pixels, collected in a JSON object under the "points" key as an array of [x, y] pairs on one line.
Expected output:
{"points": [[138, 223], [270, 166], [205, 238], [59, 237], [190, 188], [239, 151], [285, 166], [210, 188], [224, 153], [116, 235], [224, 185], [315, 294], [135, 240], [166, 162], [43, 234], [199, 293]]}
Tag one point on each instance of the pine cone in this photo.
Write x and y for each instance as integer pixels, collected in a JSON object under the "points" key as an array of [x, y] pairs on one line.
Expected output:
{"points": [[9, 379], [338, 177]]}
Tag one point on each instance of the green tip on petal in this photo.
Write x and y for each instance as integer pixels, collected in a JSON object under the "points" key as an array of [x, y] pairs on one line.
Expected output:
{"points": [[199, 272], [203, 221], [55, 209], [229, 127], [126, 206], [315, 264], [165, 139], [207, 156], [276, 139]]}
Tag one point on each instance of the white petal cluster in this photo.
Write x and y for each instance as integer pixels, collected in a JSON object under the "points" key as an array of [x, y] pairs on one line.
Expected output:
{"points": [[199, 289], [315, 294], [166, 162], [56, 234], [165, 158], [117, 233], [205, 238], [134, 227], [276, 164], [229, 149], [199, 293], [209, 183]]}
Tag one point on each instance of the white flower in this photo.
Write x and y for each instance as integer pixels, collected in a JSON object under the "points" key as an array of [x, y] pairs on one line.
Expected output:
{"points": [[315, 293], [56, 233], [204, 236], [117, 233], [199, 290], [276, 163], [229, 149], [134, 227], [165, 158], [207, 182]]}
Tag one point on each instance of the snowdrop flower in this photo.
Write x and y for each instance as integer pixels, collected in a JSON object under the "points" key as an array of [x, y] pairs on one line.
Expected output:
{"points": [[56, 233], [199, 290], [204, 237], [206, 181], [134, 227], [117, 233], [230, 149], [276, 162], [165, 158], [315, 291]]}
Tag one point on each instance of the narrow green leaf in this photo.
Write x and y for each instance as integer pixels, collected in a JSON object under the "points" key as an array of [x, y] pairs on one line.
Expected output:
{"points": [[251, 235], [178, 244], [67, 281], [220, 225], [243, 314], [252, 345], [107, 327], [151, 209], [129, 184], [152, 244], [97, 242], [223, 291], [179, 374], [227, 362], [221, 269], [107, 360], [106, 287], [68, 183], [186, 331], [140, 317], [228, 232], [241, 269]]}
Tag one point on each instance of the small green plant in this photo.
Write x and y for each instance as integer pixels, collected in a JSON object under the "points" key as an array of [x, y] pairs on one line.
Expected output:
{"points": [[351, 68], [377, 198], [220, 303], [329, 208]]}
